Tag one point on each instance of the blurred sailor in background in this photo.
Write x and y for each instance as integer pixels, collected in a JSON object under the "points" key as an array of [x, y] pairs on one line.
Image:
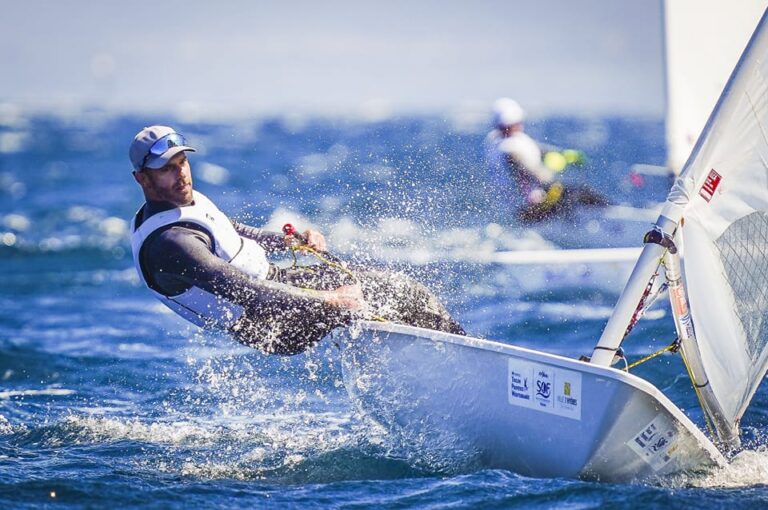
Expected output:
{"points": [[525, 173]]}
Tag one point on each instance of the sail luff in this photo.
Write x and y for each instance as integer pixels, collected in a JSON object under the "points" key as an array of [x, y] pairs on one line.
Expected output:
{"points": [[724, 430]]}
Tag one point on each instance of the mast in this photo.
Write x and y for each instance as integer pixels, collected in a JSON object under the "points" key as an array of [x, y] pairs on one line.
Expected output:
{"points": [[625, 308], [660, 249]]}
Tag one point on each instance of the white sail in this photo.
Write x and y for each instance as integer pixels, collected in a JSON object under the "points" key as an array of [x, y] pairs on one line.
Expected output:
{"points": [[703, 41], [724, 233]]}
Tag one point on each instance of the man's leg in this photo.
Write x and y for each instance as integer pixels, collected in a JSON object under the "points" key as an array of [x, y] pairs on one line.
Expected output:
{"points": [[391, 295], [396, 297], [276, 330]]}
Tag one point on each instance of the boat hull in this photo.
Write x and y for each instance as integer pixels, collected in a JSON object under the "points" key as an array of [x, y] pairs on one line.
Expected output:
{"points": [[453, 401]]}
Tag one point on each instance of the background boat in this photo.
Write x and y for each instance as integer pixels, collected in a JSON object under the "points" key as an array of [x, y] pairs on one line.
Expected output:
{"points": [[702, 41]]}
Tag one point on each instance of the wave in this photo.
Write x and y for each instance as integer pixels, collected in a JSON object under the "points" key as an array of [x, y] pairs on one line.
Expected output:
{"points": [[282, 447]]}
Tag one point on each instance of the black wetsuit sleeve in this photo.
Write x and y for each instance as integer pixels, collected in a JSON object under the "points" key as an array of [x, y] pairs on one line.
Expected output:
{"points": [[272, 242], [278, 318], [179, 258]]}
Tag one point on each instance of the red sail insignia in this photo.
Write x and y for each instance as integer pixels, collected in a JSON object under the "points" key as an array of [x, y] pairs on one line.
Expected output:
{"points": [[707, 190]]}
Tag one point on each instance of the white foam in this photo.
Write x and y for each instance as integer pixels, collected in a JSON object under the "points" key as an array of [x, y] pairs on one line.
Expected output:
{"points": [[12, 142], [5, 425], [140, 348], [748, 468], [172, 432], [8, 238], [11, 116], [112, 226], [228, 445], [83, 213]]}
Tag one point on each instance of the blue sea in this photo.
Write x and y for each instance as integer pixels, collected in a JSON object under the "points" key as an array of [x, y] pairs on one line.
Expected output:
{"points": [[107, 400]]}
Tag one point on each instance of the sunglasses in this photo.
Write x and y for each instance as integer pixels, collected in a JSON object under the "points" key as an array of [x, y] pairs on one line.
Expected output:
{"points": [[162, 145]]}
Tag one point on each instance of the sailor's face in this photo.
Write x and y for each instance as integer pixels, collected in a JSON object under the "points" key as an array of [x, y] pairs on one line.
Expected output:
{"points": [[171, 183], [507, 131]]}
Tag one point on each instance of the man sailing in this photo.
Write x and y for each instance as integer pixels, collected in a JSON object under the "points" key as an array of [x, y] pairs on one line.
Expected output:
{"points": [[215, 273]]}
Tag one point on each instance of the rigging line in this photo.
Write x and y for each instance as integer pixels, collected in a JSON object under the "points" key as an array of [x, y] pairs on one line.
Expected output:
{"points": [[322, 259], [673, 347], [646, 300], [707, 419], [332, 264]]}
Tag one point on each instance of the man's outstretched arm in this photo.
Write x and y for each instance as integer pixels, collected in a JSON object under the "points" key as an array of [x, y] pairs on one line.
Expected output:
{"points": [[180, 257], [272, 242], [278, 318]]}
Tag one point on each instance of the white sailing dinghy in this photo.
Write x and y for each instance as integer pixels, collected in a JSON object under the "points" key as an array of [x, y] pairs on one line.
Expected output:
{"points": [[546, 415]]}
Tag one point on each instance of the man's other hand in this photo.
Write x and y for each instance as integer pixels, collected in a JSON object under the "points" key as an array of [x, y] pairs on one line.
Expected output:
{"points": [[315, 240], [347, 297]]}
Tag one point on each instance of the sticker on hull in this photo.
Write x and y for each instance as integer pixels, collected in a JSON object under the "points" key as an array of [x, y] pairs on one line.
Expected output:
{"points": [[656, 442], [544, 388]]}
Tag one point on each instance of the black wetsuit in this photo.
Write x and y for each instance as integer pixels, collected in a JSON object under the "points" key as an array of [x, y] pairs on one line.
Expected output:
{"points": [[281, 316]]}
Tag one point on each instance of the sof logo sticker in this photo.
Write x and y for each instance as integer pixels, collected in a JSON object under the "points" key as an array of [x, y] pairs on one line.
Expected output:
{"points": [[656, 443], [709, 187], [544, 380], [544, 388]]}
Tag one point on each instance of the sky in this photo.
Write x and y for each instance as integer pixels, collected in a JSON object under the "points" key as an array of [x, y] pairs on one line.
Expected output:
{"points": [[584, 57]]}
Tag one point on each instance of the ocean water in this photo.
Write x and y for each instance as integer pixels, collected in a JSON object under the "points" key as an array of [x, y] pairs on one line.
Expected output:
{"points": [[108, 400]]}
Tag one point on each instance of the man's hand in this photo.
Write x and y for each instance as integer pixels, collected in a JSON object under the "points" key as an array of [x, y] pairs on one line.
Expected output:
{"points": [[347, 297], [309, 239], [315, 240], [537, 196]]}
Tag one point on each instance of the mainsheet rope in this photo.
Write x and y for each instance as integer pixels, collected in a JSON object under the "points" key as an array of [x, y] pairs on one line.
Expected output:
{"points": [[303, 247]]}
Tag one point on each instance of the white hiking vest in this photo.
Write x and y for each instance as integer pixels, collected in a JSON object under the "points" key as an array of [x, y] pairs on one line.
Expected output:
{"points": [[195, 304]]}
